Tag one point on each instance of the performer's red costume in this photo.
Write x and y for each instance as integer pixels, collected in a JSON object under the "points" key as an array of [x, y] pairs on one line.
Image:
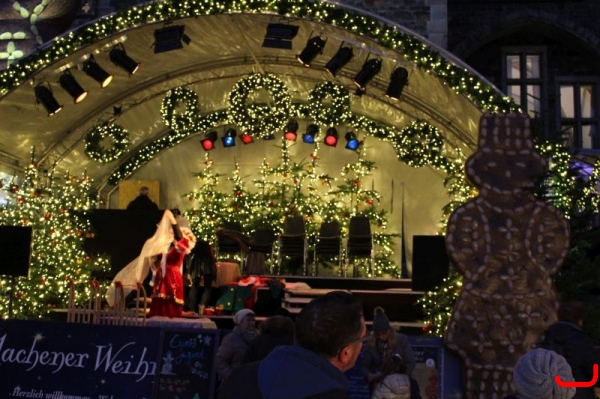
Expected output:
{"points": [[167, 292]]}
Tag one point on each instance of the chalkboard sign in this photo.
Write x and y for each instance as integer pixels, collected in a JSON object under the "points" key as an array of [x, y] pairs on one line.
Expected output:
{"points": [[185, 365]]}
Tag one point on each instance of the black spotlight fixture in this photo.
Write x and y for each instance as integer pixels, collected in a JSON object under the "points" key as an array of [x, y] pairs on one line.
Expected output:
{"points": [[95, 71], [352, 142], [170, 38], [280, 36], [369, 69], [68, 82], [341, 58], [311, 132], [314, 47], [291, 130], [45, 96], [398, 81], [120, 58], [228, 138], [269, 136], [331, 137]]}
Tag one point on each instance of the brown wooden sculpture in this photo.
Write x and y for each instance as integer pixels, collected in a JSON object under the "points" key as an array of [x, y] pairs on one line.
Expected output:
{"points": [[507, 244]]}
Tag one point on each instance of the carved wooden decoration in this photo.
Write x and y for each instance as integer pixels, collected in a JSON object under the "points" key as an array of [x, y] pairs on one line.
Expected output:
{"points": [[507, 244]]}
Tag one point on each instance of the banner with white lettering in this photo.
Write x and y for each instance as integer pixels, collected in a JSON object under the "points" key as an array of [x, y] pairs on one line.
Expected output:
{"points": [[55, 360]]}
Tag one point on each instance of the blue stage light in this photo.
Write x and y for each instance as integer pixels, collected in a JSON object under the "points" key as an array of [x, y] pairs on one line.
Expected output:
{"points": [[229, 138], [352, 142]]}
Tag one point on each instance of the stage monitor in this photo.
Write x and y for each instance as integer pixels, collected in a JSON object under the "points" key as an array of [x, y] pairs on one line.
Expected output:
{"points": [[430, 262], [15, 250]]}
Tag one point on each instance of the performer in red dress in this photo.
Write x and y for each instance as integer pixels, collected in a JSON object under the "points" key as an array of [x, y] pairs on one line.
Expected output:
{"points": [[167, 291], [162, 253]]}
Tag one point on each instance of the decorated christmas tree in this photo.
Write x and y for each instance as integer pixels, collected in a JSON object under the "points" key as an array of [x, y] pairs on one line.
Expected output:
{"points": [[55, 209], [293, 188]]}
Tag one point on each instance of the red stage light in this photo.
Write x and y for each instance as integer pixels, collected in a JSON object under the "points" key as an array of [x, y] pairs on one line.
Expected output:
{"points": [[246, 138], [207, 145], [291, 136], [331, 137]]}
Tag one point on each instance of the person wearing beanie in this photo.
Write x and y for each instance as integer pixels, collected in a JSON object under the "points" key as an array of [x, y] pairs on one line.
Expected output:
{"points": [[384, 343], [234, 345], [568, 338], [533, 376]]}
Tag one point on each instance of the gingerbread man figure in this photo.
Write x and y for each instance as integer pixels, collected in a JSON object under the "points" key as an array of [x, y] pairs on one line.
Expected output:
{"points": [[507, 244]]}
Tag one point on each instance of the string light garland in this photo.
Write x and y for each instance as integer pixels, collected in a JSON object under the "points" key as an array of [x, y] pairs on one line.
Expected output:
{"points": [[93, 139], [257, 120], [419, 143], [340, 104], [425, 58], [144, 155], [180, 123]]}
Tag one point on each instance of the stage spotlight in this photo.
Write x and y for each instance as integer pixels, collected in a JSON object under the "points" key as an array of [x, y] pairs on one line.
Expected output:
{"points": [[369, 69], [120, 58], [341, 58], [44, 95], [208, 143], [352, 142], [314, 47], [280, 36], [291, 129], [398, 81], [311, 132], [331, 137], [246, 138], [95, 71], [68, 82], [229, 138], [170, 38], [269, 136]]}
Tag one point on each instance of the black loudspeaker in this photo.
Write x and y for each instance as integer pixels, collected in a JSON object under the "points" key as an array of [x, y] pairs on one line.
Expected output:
{"points": [[430, 262], [15, 250]]}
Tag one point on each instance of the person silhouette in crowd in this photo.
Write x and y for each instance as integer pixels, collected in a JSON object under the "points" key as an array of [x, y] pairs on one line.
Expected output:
{"points": [[567, 338], [275, 331], [142, 202], [234, 345], [381, 346], [533, 376], [329, 333], [395, 383]]}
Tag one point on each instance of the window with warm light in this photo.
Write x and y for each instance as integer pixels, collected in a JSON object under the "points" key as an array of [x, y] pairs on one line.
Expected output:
{"points": [[579, 110], [523, 78]]}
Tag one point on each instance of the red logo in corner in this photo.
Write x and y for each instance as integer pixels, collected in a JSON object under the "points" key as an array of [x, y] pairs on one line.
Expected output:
{"points": [[578, 384]]}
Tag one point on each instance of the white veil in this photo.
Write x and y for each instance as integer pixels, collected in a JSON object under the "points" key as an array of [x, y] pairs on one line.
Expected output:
{"points": [[137, 270]]}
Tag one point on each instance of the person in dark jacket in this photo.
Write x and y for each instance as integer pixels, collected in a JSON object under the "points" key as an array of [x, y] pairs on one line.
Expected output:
{"points": [[381, 346], [329, 335], [275, 331], [142, 202], [567, 338]]}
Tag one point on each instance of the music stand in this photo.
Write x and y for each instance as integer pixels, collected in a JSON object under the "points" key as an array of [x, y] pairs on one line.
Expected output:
{"points": [[15, 254]]}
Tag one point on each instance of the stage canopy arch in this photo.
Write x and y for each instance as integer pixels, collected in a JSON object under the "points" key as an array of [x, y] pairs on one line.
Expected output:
{"points": [[223, 59]]}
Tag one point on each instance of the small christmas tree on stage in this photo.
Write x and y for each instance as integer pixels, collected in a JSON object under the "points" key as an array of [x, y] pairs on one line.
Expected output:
{"points": [[211, 203], [55, 212]]}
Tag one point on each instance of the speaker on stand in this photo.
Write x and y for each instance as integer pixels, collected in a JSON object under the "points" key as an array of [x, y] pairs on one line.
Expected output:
{"points": [[430, 262], [15, 254]]}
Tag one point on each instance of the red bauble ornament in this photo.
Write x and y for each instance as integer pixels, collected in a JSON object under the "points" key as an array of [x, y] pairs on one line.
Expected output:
{"points": [[191, 198], [369, 202], [357, 182], [79, 233]]}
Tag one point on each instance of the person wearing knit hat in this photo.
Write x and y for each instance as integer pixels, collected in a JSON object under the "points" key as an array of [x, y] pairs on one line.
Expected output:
{"points": [[234, 345], [384, 343], [533, 376]]}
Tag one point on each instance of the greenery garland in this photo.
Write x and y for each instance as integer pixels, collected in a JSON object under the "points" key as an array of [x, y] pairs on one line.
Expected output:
{"points": [[180, 122], [340, 104], [120, 142], [257, 119], [419, 143]]}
